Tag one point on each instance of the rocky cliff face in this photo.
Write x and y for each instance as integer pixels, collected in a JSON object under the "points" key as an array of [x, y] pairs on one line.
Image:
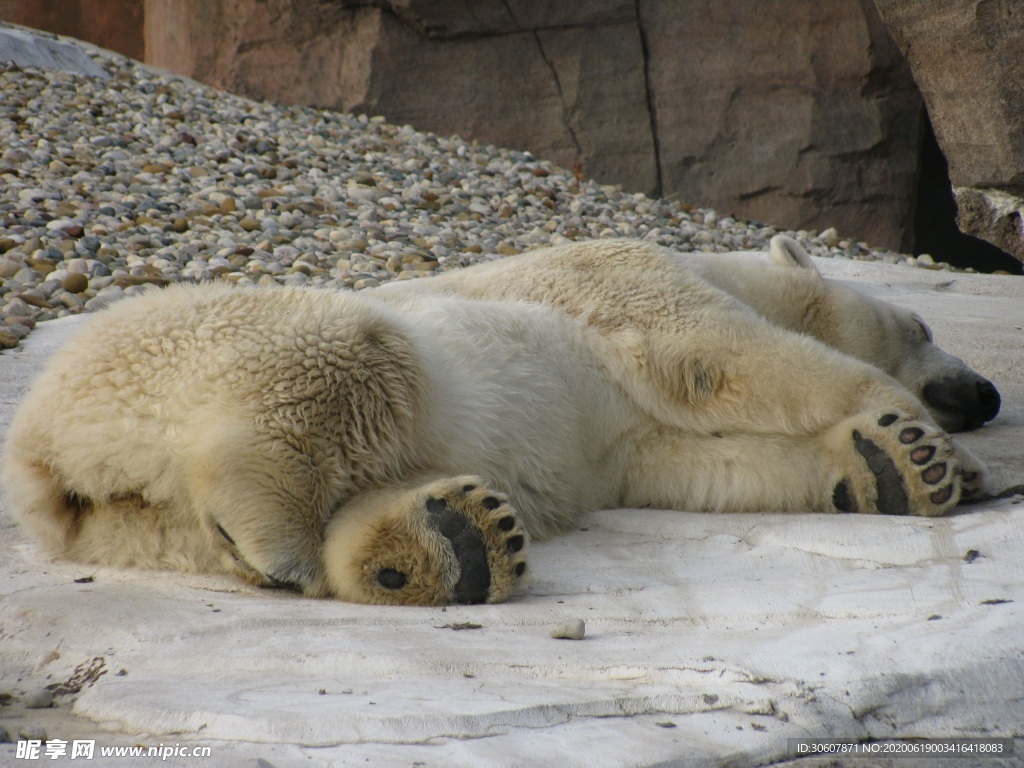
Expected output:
{"points": [[113, 24], [797, 112], [968, 60], [790, 111]]}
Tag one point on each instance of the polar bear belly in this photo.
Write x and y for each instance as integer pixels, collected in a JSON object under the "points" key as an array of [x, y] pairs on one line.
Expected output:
{"points": [[516, 395]]}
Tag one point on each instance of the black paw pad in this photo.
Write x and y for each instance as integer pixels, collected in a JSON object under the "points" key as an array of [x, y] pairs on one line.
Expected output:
{"points": [[942, 496], [891, 495], [841, 498], [922, 455], [911, 435], [492, 503], [888, 419], [934, 474], [970, 477], [468, 488], [507, 523], [389, 578], [515, 543], [520, 569], [468, 545]]}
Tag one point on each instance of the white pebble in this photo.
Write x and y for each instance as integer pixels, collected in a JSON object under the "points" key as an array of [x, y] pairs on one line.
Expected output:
{"points": [[41, 699], [572, 630]]}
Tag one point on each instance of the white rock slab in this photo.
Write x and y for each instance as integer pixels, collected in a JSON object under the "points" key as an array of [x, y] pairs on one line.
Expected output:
{"points": [[709, 638]]}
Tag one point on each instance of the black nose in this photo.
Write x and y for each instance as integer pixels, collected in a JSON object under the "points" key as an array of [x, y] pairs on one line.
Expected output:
{"points": [[962, 404], [988, 400]]}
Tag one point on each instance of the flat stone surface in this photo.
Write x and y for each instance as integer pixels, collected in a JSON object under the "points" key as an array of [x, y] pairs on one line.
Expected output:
{"points": [[37, 50], [709, 638]]}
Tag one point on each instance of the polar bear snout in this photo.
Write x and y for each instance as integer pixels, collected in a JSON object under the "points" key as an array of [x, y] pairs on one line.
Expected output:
{"points": [[962, 403]]}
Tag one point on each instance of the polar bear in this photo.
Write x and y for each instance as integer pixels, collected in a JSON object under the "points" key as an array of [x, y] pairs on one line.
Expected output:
{"points": [[403, 445]]}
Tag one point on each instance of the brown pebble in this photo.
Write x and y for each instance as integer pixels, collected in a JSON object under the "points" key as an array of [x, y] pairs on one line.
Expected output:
{"points": [[31, 299], [127, 281], [8, 339], [41, 264], [75, 282]]}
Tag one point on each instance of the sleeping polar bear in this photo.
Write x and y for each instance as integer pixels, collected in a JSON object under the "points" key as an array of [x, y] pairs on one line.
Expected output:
{"points": [[401, 446]]}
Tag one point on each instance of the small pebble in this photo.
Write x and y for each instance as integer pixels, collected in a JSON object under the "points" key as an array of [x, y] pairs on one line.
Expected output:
{"points": [[41, 699], [8, 338], [75, 282], [260, 187], [573, 630]]}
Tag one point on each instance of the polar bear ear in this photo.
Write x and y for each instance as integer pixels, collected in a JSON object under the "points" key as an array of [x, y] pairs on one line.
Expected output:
{"points": [[787, 252]]}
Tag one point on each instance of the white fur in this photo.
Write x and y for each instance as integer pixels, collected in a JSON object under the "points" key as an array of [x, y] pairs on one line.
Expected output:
{"points": [[594, 375]]}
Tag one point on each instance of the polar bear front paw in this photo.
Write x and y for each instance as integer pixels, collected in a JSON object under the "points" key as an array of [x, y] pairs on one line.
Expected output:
{"points": [[450, 541], [898, 466]]}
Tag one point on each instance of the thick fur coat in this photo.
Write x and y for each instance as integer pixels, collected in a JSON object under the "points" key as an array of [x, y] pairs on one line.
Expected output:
{"points": [[403, 445]]}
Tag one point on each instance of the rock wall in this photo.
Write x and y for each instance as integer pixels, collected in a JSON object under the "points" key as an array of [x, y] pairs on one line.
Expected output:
{"points": [[801, 113], [794, 112], [968, 60], [790, 111], [113, 24]]}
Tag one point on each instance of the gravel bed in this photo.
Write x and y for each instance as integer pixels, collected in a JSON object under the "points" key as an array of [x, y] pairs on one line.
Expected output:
{"points": [[110, 187]]}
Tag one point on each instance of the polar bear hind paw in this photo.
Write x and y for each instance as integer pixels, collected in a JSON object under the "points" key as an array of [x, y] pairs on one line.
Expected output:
{"points": [[901, 466], [450, 541]]}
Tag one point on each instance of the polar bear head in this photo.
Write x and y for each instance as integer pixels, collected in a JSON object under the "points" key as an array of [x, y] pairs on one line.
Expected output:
{"points": [[895, 340]]}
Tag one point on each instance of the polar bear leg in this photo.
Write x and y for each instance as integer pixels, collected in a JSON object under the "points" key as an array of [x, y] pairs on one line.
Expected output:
{"points": [[882, 461], [446, 541], [265, 502]]}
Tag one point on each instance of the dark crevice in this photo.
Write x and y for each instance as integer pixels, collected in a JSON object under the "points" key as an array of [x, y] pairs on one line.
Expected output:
{"points": [[566, 110], [652, 111], [935, 229]]}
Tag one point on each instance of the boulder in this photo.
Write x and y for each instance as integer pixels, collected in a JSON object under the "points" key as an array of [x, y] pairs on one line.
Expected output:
{"points": [[798, 113], [968, 60]]}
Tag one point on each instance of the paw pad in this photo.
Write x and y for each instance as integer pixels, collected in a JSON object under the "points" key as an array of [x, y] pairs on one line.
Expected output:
{"points": [[934, 474], [486, 538], [841, 498], [474, 582], [922, 455], [905, 467], [891, 496], [911, 435], [391, 578]]}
